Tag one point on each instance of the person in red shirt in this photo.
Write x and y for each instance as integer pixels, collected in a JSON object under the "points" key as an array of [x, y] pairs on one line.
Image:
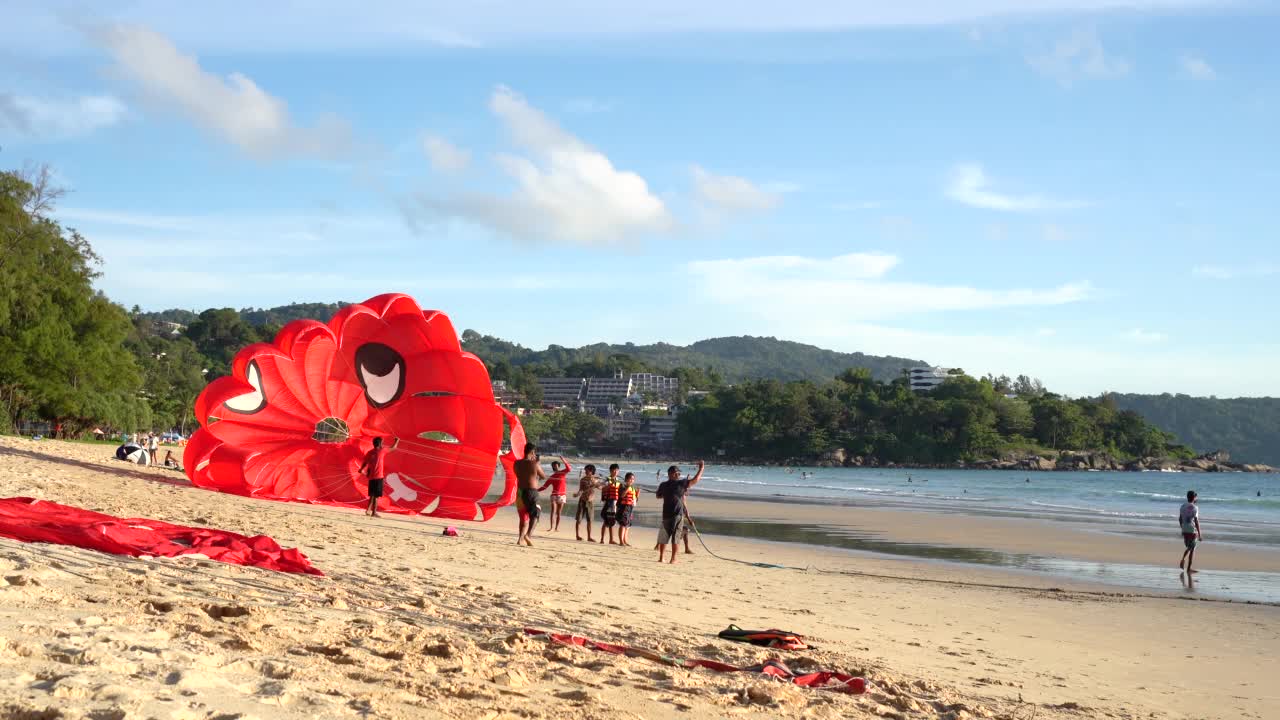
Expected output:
{"points": [[372, 467], [559, 484]]}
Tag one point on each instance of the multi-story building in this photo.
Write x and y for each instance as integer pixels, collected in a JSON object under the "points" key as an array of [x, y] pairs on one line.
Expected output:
{"points": [[664, 387], [563, 392], [603, 392], [657, 432], [924, 379], [623, 424]]}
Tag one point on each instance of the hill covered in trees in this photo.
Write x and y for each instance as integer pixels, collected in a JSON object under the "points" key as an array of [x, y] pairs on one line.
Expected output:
{"points": [[1245, 427]]}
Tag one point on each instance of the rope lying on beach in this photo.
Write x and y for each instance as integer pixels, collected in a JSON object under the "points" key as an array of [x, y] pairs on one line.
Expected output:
{"points": [[773, 667]]}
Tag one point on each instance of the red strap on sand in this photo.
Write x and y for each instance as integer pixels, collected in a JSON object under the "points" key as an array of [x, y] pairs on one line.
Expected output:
{"points": [[31, 520], [825, 680]]}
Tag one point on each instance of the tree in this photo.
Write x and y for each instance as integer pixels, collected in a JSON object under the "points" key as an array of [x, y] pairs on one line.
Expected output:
{"points": [[61, 342]]}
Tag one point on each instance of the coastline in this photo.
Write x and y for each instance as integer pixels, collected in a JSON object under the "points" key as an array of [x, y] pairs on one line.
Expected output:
{"points": [[408, 623]]}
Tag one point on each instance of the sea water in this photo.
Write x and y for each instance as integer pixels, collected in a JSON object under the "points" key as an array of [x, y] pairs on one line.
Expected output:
{"points": [[1237, 508]]}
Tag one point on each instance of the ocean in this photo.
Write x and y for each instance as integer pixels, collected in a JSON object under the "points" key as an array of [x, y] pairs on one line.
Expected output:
{"points": [[1236, 508]]}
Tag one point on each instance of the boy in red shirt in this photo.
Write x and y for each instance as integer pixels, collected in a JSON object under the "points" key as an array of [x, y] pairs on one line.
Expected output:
{"points": [[559, 484], [372, 467]]}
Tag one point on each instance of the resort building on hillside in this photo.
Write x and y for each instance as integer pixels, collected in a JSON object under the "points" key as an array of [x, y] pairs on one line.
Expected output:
{"points": [[563, 392], [666, 388], [924, 379]]}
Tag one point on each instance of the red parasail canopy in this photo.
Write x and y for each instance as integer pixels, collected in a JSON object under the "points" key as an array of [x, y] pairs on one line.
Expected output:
{"points": [[295, 418]]}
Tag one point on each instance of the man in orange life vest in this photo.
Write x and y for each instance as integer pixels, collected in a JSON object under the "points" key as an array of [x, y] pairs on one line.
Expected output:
{"points": [[626, 507], [610, 493]]}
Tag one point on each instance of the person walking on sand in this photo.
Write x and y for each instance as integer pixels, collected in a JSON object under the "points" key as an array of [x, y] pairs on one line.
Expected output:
{"points": [[1189, 520], [626, 508], [587, 485], [609, 494], [372, 467], [672, 493], [559, 484], [528, 473]]}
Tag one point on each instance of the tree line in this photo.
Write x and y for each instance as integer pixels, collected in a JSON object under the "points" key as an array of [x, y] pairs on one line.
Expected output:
{"points": [[962, 419]]}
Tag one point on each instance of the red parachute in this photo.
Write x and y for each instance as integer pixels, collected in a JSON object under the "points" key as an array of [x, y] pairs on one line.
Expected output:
{"points": [[295, 418]]}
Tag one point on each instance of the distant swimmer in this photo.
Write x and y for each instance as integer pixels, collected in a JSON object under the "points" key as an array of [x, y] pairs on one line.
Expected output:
{"points": [[1028, 479], [908, 478]]}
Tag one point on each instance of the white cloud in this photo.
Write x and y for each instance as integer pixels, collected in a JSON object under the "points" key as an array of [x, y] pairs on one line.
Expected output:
{"points": [[564, 189], [970, 186], [851, 287], [1079, 55], [1139, 335], [1223, 272], [53, 118], [444, 155], [234, 109], [1197, 67], [728, 192]]}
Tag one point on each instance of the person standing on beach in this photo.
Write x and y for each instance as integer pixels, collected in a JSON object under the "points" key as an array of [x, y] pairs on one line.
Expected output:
{"points": [[626, 508], [609, 494], [672, 493], [587, 485], [153, 448], [559, 484], [1189, 520], [372, 467], [528, 473]]}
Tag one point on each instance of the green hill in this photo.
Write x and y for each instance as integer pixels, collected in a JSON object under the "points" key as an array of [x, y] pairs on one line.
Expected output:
{"points": [[735, 359], [1248, 428]]}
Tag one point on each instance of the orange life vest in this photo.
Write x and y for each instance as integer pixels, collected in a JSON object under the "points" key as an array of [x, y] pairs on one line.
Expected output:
{"points": [[629, 495], [610, 491]]}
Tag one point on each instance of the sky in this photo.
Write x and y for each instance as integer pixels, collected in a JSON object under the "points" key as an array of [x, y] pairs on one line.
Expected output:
{"points": [[1083, 191]]}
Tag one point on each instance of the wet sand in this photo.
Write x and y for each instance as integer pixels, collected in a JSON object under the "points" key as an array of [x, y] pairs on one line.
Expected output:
{"points": [[408, 623]]}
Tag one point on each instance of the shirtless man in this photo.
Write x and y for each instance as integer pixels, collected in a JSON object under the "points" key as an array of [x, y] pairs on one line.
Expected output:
{"points": [[528, 473], [587, 485]]}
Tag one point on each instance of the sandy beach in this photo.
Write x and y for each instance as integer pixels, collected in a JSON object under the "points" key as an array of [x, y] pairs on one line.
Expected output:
{"points": [[408, 623]]}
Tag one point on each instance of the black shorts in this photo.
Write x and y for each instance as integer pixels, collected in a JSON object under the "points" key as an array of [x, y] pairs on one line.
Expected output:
{"points": [[624, 515], [375, 487], [528, 503], [609, 513]]}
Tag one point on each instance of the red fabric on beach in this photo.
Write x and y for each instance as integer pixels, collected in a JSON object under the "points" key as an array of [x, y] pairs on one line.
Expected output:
{"points": [[31, 520], [825, 680]]}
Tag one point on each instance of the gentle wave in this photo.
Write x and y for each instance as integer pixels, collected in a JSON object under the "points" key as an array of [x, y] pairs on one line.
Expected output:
{"points": [[1099, 511]]}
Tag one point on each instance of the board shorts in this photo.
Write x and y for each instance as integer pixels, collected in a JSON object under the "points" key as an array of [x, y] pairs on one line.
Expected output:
{"points": [[585, 508], [1189, 539], [559, 499], [527, 503], [609, 513], [375, 487], [624, 515], [669, 530]]}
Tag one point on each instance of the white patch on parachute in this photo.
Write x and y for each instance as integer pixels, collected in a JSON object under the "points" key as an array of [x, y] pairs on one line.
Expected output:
{"points": [[252, 401], [400, 491], [381, 389], [431, 506]]}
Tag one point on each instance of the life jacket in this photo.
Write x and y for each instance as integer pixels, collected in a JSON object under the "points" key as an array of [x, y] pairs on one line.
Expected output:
{"points": [[780, 639], [629, 495], [610, 490]]}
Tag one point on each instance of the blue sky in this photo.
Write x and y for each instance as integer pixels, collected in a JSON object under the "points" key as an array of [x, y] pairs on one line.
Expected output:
{"points": [[1079, 190]]}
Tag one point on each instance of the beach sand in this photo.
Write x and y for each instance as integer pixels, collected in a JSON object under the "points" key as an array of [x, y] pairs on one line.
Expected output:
{"points": [[408, 623]]}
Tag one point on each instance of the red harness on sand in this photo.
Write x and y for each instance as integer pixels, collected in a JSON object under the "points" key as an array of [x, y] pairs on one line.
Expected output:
{"points": [[824, 680], [31, 520]]}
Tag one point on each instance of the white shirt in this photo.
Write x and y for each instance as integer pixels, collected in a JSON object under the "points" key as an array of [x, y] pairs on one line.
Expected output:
{"points": [[1187, 517]]}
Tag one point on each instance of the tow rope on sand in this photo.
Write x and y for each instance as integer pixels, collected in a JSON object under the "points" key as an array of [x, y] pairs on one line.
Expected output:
{"points": [[773, 667]]}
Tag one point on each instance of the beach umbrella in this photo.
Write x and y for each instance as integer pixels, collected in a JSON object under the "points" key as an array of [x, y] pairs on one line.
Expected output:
{"points": [[295, 418], [133, 453]]}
